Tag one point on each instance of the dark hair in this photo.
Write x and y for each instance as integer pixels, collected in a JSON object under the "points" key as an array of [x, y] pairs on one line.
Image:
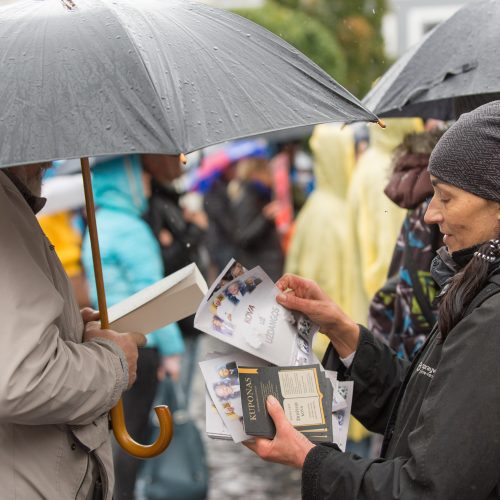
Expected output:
{"points": [[465, 285]]}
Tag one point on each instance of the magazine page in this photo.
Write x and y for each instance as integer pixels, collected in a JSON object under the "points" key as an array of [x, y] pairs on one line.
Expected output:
{"points": [[214, 425], [222, 383], [342, 417], [240, 309]]}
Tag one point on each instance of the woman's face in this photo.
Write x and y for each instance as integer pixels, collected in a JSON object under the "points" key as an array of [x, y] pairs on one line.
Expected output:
{"points": [[463, 218]]}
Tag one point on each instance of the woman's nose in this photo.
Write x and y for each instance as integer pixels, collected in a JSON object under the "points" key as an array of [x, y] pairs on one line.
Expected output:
{"points": [[433, 214]]}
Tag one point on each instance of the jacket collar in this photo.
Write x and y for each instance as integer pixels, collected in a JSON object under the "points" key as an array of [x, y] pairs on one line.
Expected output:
{"points": [[36, 203], [445, 265]]}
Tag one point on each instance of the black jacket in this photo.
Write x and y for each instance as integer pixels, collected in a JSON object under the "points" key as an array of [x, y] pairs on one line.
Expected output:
{"points": [[256, 237], [165, 213], [440, 415]]}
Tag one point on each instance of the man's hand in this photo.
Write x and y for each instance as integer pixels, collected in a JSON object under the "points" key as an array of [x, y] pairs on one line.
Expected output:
{"points": [[305, 296], [89, 314], [289, 446], [127, 342]]}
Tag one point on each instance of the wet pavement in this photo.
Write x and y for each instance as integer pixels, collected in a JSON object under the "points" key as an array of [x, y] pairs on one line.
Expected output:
{"points": [[235, 472]]}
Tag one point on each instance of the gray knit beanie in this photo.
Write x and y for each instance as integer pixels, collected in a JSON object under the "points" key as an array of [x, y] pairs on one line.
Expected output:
{"points": [[468, 154]]}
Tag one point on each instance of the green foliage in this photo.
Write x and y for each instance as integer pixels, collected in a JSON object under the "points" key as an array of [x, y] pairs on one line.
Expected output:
{"points": [[356, 24], [303, 32]]}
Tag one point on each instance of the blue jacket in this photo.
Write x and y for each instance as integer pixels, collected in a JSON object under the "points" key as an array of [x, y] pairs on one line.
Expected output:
{"points": [[131, 258]]}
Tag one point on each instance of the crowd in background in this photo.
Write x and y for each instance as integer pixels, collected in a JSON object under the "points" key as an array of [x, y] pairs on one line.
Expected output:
{"points": [[344, 209]]}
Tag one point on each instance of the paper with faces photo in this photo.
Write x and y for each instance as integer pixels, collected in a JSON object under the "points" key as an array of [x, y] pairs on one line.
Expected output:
{"points": [[240, 309], [222, 383]]}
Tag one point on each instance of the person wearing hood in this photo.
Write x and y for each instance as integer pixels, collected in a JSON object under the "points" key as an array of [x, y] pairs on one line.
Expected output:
{"points": [[403, 311], [374, 221], [131, 261], [317, 248], [440, 412]]}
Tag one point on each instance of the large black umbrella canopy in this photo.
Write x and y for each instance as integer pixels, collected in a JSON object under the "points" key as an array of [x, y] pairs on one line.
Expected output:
{"points": [[454, 69], [99, 77]]}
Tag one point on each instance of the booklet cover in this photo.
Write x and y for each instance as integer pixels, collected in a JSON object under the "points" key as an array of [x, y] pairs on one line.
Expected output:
{"points": [[173, 298], [241, 309], [304, 392]]}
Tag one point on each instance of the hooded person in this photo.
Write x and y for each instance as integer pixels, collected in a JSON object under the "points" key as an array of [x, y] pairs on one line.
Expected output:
{"points": [[373, 219], [317, 248], [439, 412], [131, 260], [60, 373], [403, 311]]}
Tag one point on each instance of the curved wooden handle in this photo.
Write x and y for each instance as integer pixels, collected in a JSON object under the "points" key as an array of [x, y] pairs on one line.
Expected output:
{"points": [[117, 416], [139, 450]]}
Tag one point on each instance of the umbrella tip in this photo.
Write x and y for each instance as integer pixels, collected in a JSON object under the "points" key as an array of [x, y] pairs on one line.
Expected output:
{"points": [[182, 158], [381, 123]]}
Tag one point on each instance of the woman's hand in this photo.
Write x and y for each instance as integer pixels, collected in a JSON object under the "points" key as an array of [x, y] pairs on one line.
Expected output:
{"points": [[305, 296], [289, 446]]}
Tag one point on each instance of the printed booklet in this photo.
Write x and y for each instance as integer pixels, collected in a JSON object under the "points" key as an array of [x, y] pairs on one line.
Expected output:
{"points": [[304, 392], [240, 309], [225, 400]]}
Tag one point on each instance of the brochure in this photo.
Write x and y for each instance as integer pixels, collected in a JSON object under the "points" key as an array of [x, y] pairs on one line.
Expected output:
{"points": [[304, 392], [240, 309], [172, 298], [222, 383]]}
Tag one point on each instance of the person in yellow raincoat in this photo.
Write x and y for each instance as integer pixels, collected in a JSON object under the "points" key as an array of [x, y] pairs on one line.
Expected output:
{"points": [[67, 243], [374, 221], [317, 247]]}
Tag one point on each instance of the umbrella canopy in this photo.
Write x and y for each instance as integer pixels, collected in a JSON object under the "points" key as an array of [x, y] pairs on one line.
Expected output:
{"points": [[454, 69], [100, 77], [87, 78]]}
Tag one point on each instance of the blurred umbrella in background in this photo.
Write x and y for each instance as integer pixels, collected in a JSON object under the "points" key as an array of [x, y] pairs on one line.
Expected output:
{"points": [[213, 164]]}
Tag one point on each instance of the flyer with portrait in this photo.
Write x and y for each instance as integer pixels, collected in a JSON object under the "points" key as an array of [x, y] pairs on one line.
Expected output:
{"points": [[240, 309], [223, 386]]}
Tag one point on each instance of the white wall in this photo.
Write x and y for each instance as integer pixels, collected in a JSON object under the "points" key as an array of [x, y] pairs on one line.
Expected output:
{"points": [[408, 20]]}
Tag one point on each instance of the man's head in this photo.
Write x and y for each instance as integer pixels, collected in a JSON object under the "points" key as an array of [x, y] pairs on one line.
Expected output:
{"points": [[31, 175], [163, 168]]}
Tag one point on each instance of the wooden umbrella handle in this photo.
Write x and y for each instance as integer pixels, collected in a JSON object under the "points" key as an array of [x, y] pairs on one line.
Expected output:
{"points": [[117, 416]]}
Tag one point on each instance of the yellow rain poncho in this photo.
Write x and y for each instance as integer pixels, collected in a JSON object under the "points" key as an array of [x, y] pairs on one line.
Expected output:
{"points": [[317, 248], [374, 221]]}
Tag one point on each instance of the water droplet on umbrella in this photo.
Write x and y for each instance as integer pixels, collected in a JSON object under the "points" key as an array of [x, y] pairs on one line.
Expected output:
{"points": [[216, 48], [108, 127]]}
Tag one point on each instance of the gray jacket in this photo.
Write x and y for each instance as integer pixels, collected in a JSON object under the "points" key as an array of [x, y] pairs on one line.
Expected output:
{"points": [[440, 415], [55, 391]]}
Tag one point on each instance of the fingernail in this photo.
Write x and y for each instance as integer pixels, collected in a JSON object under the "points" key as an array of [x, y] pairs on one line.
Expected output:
{"points": [[282, 297], [271, 400]]}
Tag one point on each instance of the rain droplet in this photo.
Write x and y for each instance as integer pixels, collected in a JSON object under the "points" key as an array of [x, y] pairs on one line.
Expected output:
{"points": [[117, 37], [188, 245], [216, 48], [108, 127]]}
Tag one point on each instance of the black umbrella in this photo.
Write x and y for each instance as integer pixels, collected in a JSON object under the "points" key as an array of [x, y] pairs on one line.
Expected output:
{"points": [[101, 77], [454, 69]]}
